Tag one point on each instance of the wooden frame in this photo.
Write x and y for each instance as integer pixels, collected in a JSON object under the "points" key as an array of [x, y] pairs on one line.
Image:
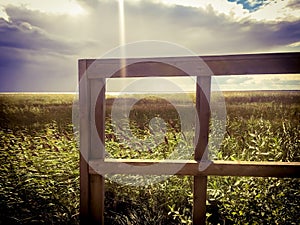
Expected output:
{"points": [[93, 163]]}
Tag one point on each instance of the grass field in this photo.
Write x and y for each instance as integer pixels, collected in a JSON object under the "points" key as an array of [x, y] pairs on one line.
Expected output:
{"points": [[39, 176]]}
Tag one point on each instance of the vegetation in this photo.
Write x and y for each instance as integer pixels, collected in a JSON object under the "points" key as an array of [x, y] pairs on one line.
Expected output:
{"points": [[39, 176]]}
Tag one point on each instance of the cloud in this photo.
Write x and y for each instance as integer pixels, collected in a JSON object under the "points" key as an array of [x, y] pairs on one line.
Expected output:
{"points": [[277, 11], [237, 80], [295, 4], [44, 47], [261, 82], [98, 27], [203, 30], [32, 59], [23, 35]]}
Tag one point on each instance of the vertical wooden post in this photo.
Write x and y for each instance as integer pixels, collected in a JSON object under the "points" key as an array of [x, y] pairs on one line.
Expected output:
{"points": [[84, 142], [91, 185], [97, 181], [199, 207], [96, 199], [202, 132]]}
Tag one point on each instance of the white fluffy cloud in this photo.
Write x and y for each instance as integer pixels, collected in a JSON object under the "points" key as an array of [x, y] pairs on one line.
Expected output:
{"points": [[264, 82]]}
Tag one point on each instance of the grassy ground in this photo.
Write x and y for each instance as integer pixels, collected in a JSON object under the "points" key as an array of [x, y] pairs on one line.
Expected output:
{"points": [[39, 181]]}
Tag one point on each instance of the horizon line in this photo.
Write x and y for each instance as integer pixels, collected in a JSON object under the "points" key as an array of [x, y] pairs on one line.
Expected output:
{"points": [[139, 92]]}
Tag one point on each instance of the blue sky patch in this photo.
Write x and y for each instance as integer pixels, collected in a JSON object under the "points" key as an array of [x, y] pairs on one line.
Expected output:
{"points": [[250, 5]]}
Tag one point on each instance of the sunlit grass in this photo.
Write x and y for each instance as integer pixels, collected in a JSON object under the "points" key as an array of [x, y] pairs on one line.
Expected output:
{"points": [[39, 178]]}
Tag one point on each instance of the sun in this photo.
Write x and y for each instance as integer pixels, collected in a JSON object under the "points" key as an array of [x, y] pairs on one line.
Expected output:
{"points": [[75, 10]]}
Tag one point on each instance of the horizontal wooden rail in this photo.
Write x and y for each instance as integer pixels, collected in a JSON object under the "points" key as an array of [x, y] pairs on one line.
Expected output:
{"points": [[191, 167], [267, 63]]}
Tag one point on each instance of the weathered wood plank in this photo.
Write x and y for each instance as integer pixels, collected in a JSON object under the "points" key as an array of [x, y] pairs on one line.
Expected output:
{"points": [[191, 167], [150, 67], [96, 199], [203, 111], [97, 122], [84, 191], [82, 66], [97, 135], [84, 143], [201, 152], [266, 63], [91, 185], [199, 199]]}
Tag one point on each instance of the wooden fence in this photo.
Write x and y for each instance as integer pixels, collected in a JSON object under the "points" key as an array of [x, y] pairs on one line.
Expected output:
{"points": [[92, 75]]}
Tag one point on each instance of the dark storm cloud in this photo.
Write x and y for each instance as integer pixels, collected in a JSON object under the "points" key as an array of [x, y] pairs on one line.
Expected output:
{"points": [[22, 34], [23, 42], [34, 59], [295, 4], [287, 33]]}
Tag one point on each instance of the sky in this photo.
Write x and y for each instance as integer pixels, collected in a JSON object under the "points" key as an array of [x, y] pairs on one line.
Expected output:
{"points": [[41, 41]]}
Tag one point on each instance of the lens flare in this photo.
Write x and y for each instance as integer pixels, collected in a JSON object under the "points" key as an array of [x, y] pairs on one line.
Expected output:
{"points": [[122, 37]]}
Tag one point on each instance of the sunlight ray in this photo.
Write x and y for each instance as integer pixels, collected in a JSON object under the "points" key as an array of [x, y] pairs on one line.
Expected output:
{"points": [[122, 37]]}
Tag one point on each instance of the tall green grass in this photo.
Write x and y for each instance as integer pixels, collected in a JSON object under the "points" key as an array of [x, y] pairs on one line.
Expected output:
{"points": [[39, 178]]}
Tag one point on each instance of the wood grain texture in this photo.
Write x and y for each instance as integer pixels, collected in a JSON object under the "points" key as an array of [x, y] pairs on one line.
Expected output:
{"points": [[199, 200], [203, 111], [96, 199], [97, 191], [266, 63], [91, 185], [191, 167], [84, 143], [201, 150]]}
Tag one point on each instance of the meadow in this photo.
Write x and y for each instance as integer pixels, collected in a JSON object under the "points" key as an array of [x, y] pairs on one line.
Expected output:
{"points": [[39, 168]]}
